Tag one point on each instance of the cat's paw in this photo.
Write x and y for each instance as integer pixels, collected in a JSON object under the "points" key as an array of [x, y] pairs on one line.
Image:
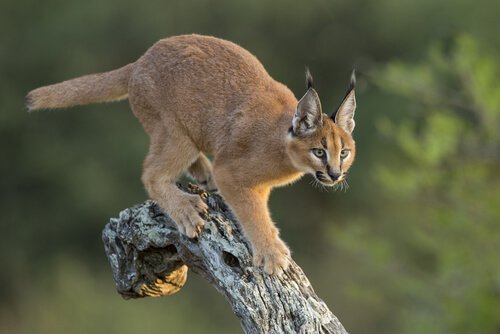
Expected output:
{"points": [[208, 184], [187, 215], [274, 256]]}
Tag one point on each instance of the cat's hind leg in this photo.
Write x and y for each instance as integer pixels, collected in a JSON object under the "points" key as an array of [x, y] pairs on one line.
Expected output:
{"points": [[201, 171], [170, 154]]}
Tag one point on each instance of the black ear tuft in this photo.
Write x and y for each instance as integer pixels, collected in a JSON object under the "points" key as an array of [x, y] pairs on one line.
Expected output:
{"points": [[352, 83], [309, 79]]}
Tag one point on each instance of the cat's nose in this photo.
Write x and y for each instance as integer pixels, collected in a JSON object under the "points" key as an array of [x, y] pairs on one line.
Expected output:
{"points": [[334, 175]]}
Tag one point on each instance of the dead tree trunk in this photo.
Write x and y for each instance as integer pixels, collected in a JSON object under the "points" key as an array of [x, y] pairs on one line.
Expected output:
{"points": [[149, 257]]}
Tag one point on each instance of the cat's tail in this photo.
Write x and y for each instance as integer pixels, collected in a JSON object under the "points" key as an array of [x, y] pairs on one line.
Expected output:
{"points": [[94, 88]]}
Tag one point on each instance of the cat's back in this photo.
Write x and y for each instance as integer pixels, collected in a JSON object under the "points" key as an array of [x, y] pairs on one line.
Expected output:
{"points": [[198, 59]]}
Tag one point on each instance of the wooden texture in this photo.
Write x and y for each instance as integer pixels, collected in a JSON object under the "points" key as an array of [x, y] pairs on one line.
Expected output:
{"points": [[149, 257]]}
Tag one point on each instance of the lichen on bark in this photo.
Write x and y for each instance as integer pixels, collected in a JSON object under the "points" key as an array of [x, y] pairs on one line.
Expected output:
{"points": [[149, 257]]}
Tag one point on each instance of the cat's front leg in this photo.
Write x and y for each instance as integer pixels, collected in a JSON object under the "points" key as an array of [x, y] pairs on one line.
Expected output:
{"points": [[250, 206]]}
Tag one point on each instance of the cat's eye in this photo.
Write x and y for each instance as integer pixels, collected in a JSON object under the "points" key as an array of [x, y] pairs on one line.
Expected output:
{"points": [[344, 153], [319, 152]]}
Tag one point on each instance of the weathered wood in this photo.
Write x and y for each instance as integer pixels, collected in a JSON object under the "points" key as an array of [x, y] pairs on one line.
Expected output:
{"points": [[149, 257]]}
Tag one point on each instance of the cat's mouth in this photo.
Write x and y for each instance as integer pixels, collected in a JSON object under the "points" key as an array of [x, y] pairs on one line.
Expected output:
{"points": [[324, 179], [328, 180]]}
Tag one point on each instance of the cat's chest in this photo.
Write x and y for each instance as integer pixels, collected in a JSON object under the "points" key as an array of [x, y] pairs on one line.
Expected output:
{"points": [[284, 178]]}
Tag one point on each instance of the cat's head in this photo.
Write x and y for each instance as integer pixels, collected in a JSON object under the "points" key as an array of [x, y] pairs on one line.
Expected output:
{"points": [[319, 144]]}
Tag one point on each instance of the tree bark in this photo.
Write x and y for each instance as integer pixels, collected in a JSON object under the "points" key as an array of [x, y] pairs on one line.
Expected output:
{"points": [[149, 257]]}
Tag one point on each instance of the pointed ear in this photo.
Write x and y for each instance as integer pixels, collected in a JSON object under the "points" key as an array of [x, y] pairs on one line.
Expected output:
{"points": [[308, 116], [344, 116]]}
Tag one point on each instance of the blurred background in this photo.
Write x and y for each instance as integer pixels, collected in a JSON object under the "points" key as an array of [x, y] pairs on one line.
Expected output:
{"points": [[411, 247]]}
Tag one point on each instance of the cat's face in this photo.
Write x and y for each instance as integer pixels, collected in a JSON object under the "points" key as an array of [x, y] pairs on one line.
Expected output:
{"points": [[327, 154], [322, 145]]}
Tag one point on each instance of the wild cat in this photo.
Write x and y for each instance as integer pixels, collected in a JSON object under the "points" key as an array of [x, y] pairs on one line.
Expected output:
{"points": [[197, 95]]}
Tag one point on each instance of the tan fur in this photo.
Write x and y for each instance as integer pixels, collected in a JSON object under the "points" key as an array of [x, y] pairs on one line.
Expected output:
{"points": [[102, 87], [196, 94]]}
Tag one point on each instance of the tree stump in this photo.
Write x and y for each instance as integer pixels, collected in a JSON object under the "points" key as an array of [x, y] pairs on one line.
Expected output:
{"points": [[149, 257]]}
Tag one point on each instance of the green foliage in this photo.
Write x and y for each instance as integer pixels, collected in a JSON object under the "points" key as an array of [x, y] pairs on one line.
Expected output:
{"points": [[58, 305], [442, 233]]}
